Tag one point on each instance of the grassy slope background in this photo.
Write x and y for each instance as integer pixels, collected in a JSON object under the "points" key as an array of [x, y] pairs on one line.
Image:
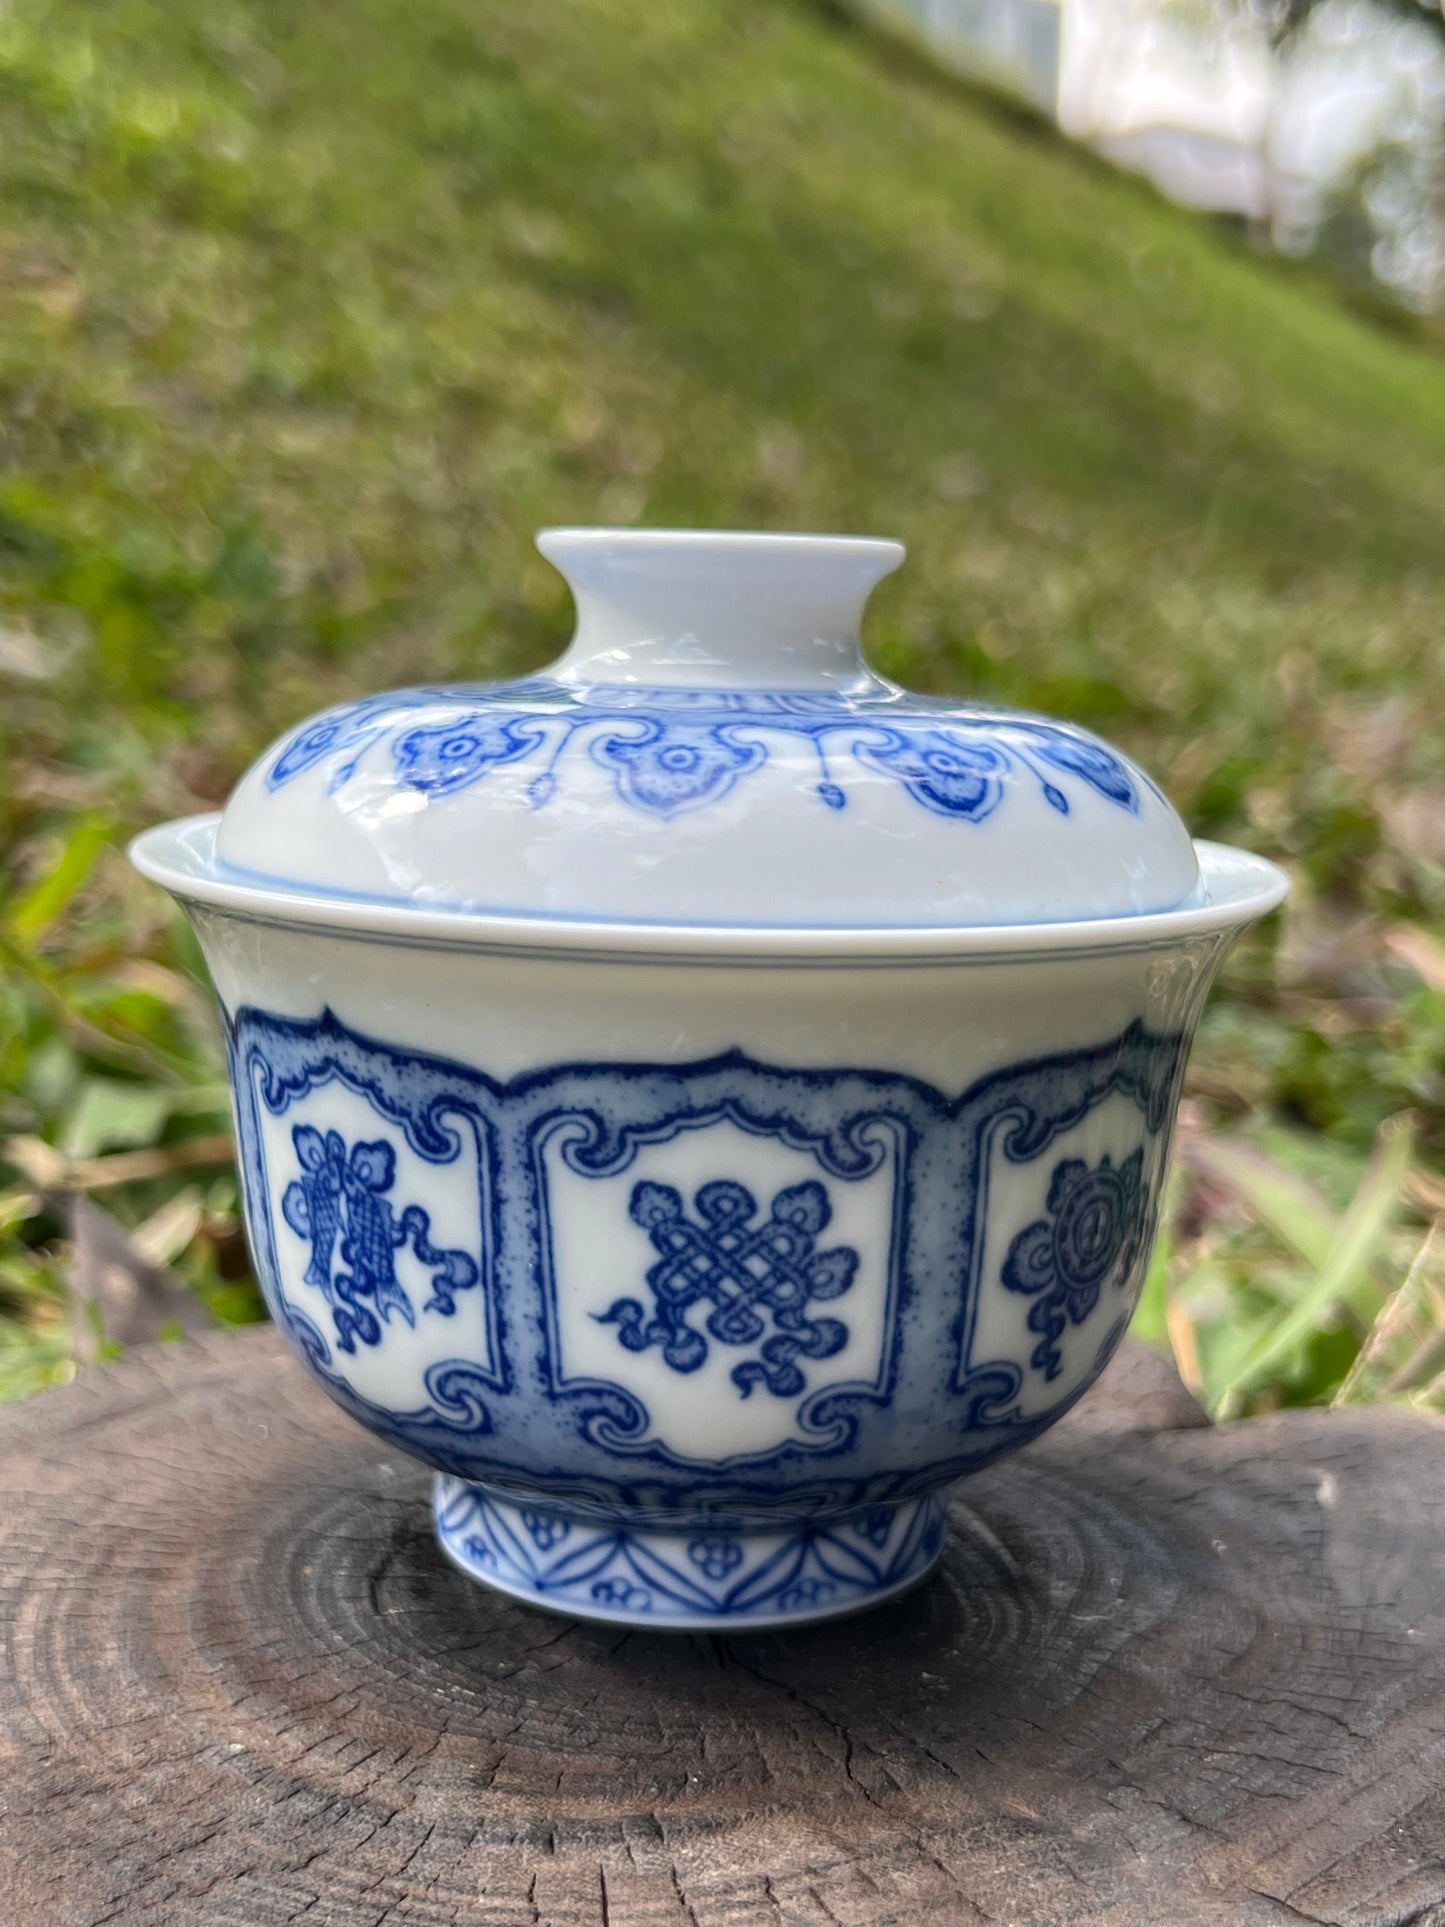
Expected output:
{"points": [[309, 316]]}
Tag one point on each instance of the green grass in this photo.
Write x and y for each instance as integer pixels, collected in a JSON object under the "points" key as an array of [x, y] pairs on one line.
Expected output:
{"points": [[310, 315]]}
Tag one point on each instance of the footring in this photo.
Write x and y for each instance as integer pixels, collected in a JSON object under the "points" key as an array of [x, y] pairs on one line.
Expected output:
{"points": [[705, 1578]]}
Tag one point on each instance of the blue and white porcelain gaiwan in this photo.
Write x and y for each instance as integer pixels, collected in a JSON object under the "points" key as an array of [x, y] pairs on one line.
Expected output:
{"points": [[703, 1100]]}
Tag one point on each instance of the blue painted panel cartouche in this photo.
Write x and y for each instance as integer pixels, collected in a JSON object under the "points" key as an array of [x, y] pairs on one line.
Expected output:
{"points": [[1091, 1237], [754, 1281]]}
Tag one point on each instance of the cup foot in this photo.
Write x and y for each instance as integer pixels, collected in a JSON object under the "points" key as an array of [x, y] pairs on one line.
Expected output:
{"points": [[704, 1579]]}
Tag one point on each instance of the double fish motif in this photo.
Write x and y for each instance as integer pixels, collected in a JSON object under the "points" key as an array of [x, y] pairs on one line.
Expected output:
{"points": [[339, 1200]]}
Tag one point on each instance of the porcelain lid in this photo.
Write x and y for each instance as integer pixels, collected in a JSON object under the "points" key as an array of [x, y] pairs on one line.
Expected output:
{"points": [[710, 749]]}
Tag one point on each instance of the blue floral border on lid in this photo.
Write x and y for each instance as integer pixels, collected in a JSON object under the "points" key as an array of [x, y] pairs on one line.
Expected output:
{"points": [[676, 749]]}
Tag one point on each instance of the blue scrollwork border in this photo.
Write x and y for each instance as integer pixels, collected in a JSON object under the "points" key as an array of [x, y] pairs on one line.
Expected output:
{"points": [[670, 750]]}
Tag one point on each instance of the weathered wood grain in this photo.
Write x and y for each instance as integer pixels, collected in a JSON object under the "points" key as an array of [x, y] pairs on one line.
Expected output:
{"points": [[1172, 1676]]}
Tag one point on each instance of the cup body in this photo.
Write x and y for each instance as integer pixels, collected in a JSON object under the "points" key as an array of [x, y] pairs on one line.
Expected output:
{"points": [[680, 1271]]}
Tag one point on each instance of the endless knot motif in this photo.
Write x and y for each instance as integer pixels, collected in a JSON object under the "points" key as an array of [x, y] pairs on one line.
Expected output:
{"points": [[1092, 1235], [342, 1200], [747, 1272]]}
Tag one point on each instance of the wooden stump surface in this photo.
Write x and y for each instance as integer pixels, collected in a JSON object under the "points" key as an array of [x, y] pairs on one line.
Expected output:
{"points": [[1168, 1675]]}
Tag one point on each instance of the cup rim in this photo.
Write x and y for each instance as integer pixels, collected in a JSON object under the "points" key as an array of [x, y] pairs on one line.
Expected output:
{"points": [[1237, 886]]}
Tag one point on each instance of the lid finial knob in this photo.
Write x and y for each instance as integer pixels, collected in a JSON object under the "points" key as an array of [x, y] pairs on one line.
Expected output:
{"points": [[711, 609]]}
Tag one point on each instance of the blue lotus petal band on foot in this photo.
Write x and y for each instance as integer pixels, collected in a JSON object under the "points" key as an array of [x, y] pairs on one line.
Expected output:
{"points": [[704, 1577]]}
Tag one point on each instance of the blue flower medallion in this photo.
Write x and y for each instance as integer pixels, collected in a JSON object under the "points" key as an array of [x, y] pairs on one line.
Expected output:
{"points": [[940, 770], [1090, 1239], [454, 755], [676, 766]]}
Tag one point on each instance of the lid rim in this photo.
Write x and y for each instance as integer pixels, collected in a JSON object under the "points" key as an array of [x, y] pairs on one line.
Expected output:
{"points": [[179, 856]]}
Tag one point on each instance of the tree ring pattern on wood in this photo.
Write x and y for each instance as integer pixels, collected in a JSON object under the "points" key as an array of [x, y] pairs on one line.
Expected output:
{"points": [[1192, 1677]]}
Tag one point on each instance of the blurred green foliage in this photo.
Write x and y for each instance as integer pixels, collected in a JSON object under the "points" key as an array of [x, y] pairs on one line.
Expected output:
{"points": [[309, 316]]}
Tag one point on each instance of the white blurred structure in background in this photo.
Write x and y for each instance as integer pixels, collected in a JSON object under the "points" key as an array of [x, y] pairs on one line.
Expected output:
{"points": [[1323, 125]]}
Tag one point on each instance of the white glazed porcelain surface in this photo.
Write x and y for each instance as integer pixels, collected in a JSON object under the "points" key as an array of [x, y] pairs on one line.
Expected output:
{"points": [[698, 1257], [711, 748]]}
